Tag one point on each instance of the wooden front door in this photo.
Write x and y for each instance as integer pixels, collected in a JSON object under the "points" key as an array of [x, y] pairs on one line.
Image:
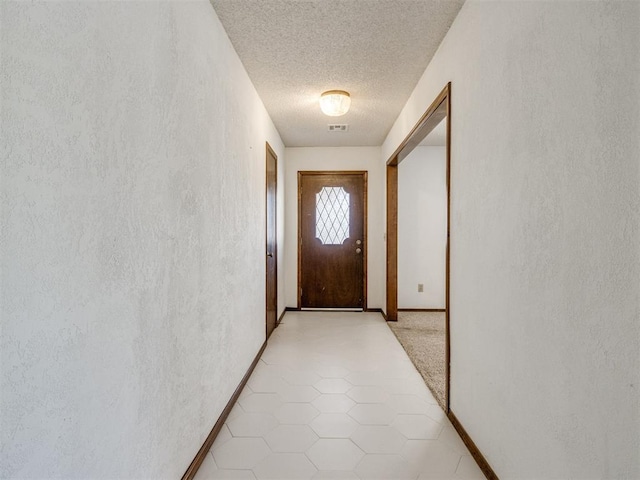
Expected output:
{"points": [[332, 239], [272, 250]]}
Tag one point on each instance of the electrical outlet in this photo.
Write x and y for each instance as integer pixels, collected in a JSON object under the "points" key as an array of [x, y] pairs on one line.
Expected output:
{"points": [[421, 287]]}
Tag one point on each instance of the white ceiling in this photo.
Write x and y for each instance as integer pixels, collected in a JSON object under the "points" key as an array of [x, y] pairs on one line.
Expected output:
{"points": [[294, 50]]}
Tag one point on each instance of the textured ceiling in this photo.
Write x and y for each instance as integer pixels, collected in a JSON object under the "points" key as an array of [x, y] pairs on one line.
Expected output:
{"points": [[294, 50]]}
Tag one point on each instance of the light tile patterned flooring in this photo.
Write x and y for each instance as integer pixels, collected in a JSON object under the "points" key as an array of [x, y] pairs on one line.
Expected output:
{"points": [[335, 396]]}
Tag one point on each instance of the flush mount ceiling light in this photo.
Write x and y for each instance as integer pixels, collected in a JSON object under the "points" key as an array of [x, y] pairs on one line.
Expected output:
{"points": [[335, 102]]}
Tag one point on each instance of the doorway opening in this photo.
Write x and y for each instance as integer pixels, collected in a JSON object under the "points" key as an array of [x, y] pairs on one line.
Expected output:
{"points": [[418, 236], [332, 240]]}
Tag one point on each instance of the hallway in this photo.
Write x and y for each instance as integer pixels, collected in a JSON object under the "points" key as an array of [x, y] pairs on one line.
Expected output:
{"points": [[335, 396]]}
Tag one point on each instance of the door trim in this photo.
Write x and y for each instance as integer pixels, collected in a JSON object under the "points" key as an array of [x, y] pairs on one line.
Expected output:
{"points": [[365, 230], [440, 108], [269, 151]]}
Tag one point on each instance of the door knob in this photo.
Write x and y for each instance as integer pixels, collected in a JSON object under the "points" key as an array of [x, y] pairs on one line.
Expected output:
{"points": [[269, 254], [358, 242], [358, 250]]}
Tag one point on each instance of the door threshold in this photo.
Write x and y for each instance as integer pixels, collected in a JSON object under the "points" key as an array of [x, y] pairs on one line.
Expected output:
{"points": [[312, 309]]}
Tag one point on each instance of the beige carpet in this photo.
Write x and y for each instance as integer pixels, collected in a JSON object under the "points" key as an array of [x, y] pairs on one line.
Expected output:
{"points": [[422, 335]]}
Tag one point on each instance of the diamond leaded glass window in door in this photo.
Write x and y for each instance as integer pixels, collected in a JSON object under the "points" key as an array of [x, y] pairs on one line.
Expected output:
{"points": [[332, 215]]}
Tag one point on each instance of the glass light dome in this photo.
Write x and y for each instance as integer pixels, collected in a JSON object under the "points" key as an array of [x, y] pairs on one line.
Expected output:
{"points": [[335, 102]]}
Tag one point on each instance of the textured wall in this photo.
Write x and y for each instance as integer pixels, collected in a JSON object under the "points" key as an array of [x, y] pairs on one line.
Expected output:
{"points": [[422, 228], [545, 232], [132, 235], [338, 158]]}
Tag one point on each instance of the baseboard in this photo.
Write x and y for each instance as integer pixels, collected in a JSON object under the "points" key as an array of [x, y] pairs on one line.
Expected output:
{"points": [[473, 449], [442, 310], [281, 317], [206, 446], [377, 310]]}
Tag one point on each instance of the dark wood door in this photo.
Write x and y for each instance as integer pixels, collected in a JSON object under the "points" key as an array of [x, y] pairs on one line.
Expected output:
{"points": [[332, 239], [272, 247]]}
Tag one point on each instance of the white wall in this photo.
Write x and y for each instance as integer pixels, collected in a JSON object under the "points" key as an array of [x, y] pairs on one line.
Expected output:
{"points": [[133, 158], [339, 158], [545, 234], [280, 219], [422, 228]]}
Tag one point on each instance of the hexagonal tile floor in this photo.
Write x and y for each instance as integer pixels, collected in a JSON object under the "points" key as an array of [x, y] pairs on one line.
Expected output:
{"points": [[336, 397]]}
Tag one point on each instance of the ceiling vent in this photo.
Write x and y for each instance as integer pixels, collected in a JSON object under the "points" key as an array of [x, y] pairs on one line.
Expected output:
{"points": [[337, 127]]}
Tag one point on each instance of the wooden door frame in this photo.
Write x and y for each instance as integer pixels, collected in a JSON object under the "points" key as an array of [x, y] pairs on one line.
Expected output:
{"points": [[270, 151], [365, 233], [432, 117]]}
